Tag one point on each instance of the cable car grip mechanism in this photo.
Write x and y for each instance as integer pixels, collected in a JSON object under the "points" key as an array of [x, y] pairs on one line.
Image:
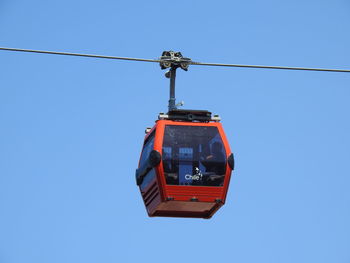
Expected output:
{"points": [[173, 60]]}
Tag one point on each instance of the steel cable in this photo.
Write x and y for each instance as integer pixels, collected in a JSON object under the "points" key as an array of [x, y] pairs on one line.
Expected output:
{"points": [[191, 62], [77, 54]]}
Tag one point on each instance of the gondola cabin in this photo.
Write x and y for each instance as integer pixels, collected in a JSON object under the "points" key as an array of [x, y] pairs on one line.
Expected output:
{"points": [[185, 165]]}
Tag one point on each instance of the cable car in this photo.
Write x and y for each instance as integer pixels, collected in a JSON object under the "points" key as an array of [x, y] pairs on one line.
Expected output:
{"points": [[186, 162]]}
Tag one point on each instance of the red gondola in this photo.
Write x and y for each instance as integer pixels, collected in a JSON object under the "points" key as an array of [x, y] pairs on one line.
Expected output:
{"points": [[186, 161]]}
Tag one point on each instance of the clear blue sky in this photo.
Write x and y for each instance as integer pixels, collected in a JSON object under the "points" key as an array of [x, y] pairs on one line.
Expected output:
{"points": [[71, 129]]}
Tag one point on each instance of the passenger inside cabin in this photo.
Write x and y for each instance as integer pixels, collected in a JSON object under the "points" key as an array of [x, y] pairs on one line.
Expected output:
{"points": [[215, 161]]}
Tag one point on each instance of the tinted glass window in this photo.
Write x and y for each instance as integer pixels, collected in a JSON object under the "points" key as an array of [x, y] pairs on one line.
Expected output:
{"points": [[147, 179], [193, 155], [147, 148]]}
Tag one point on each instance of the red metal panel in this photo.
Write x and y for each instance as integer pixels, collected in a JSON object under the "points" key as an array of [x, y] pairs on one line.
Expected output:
{"points": [[158, 147], [202, 193], [151, 196], [228, 168]]}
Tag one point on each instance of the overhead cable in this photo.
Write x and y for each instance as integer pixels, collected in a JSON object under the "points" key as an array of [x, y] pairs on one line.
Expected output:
{"points": [[190, 62], [76, 54], [268, 67]]}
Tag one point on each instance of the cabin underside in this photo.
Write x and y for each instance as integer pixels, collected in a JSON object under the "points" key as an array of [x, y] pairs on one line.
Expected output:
{"points": [[186, 209]]}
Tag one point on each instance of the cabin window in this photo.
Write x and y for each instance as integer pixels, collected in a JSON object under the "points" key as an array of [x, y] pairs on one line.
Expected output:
{"points": [[193, 155], [147, 148]]}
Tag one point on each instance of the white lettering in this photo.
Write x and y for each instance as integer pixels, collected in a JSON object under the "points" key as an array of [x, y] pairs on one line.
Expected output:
{"points": [[188, 177], [196, 177]]}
